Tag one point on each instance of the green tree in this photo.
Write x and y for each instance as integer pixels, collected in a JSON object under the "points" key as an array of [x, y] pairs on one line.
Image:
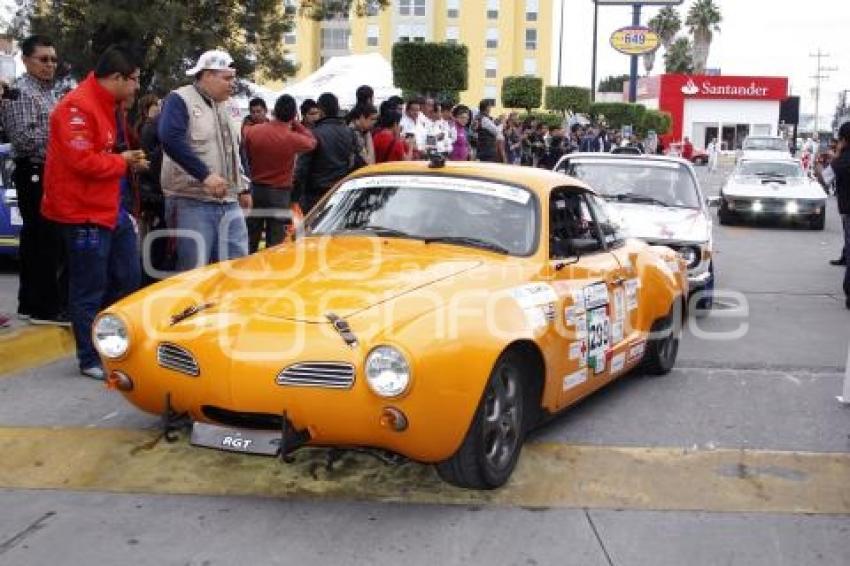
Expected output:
{"points": [[565, 99], [618, 114], [703, 20], [522, 92], [438, 70], [660, 122], [321, 9], [613, 83], [679, 58], [667, 23]]}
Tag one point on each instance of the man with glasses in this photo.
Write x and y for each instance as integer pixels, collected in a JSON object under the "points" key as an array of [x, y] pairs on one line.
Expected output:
{"points": [[201, 172], [82, 189], [41, 298]]}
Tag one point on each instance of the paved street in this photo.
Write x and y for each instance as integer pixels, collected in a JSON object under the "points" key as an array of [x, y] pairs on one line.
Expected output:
{"points": [[739, 456]]}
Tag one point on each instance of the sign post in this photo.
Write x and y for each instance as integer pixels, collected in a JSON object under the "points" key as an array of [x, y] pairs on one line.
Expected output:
{"points": [[636, 6], [844, 399]]}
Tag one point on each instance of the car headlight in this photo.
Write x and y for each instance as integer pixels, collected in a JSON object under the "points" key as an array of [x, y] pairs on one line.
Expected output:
{"points": [[691, 255], [792, 207], [111, 337], [758, 206], [387, 371]]}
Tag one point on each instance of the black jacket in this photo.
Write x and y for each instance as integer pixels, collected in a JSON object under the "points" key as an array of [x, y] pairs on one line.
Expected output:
{"points": [[841, 167], [332, 159]]}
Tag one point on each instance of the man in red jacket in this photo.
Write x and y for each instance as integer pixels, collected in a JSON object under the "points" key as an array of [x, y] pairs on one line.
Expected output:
{"points": [[82, 193]]}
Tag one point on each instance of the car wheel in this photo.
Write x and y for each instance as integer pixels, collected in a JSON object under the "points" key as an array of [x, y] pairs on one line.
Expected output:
{"points": [[663, 345], [725, 217], [818, 221], [494, 440]]}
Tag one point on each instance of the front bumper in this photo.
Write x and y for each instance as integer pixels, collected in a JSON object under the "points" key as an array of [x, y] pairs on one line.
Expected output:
{"points": [[772, 207]]}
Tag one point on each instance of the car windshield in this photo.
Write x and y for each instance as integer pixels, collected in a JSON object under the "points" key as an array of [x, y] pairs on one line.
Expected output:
{"points": [[770, 169], [638, 180], [434, 208], [769, 144]]}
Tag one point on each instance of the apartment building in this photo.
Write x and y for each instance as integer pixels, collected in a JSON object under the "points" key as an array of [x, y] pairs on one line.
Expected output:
{"points": [[504, 37]]}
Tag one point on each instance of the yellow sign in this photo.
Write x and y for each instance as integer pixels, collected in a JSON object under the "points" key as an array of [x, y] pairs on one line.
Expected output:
{"points": [[635, 40]]}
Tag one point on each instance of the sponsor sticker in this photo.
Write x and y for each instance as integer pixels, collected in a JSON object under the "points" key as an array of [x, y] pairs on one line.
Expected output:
{"points": [[595, 295], [636, 352], [619, 305], [534, 295], [535, 317], [599, 335], [487, 188], [617, 332], [549, 312], [618, 362], [632, 286], [575, 379], [581, 326]]}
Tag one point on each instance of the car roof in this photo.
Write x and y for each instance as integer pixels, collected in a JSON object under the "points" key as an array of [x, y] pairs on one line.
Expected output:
{"points": [[646, 157], [539, 181]]}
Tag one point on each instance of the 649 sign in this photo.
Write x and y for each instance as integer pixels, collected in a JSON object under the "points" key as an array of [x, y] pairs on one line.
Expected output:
{"points": [[635, 40]]}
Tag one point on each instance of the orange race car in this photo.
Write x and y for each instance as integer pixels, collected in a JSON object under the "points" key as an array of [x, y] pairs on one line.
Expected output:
{"points": [[435, 313]]}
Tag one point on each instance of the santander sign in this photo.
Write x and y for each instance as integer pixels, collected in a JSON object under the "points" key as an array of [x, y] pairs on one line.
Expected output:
{"points": [[709, 88]]}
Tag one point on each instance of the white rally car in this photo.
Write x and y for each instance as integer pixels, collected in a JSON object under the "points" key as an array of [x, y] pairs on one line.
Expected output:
{"points": [[772, 188]]}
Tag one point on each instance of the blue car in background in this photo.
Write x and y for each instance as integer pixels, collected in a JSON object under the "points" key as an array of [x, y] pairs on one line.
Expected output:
{"points": [[10, 214]]}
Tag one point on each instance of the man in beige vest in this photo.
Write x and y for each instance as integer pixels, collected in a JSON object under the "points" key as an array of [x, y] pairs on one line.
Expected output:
{"points": [[202, 179]]}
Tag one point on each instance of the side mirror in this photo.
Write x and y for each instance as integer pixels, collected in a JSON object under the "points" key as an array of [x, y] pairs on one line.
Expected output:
{"points": [[712, 201]]}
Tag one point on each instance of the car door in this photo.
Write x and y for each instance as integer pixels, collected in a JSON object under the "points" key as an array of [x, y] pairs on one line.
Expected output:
{"points": [[583, 270]]}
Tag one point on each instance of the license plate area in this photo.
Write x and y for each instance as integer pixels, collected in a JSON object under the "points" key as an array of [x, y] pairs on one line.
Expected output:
{"points": [[246, 441]]}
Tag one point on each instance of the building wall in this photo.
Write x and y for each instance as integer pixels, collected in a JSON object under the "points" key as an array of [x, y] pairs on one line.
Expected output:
{"points": [[471, 28]]}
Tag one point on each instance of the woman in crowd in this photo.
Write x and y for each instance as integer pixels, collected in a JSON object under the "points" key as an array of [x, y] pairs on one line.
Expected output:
{"points": [[460, 122], [389, 146]]}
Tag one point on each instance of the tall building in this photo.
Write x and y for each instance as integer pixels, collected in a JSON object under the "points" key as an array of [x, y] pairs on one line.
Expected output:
{"points": [[504, 37]]}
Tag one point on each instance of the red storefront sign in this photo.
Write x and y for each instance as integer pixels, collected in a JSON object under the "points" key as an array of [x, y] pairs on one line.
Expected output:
{"points": [[676, 89]]}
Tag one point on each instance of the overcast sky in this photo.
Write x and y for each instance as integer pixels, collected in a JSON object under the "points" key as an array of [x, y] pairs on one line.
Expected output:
{"points": [[757, 37]]}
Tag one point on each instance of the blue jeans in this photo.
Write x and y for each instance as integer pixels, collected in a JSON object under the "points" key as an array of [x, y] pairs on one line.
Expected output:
{"points": [[218, 231], [103, 267], [845, 221]]}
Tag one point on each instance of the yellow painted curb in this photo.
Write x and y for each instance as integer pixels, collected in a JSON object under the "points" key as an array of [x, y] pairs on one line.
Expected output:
{"points": [[30, 347], [548, 475]]}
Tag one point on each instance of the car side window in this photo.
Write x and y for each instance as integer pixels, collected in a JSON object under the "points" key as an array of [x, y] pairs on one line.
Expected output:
{"points": [[572, 229], [608, 223]]}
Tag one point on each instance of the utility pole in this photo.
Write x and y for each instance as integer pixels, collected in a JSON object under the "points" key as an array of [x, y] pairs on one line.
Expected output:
{"points": [[561, 41], [819, 76], [595, 41]]}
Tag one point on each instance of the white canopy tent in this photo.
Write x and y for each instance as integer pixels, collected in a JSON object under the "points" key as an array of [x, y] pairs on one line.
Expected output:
{"points": [[340, 76]]}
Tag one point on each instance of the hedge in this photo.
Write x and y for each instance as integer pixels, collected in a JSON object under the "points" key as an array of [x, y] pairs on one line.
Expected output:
{"points": [[430, 68], [522, 92], [618, 114], [568, 98]]}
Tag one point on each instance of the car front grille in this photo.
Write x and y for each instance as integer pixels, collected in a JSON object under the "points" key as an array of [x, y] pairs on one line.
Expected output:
{"points": [[177, 358], [334, 375], [769, 205]]}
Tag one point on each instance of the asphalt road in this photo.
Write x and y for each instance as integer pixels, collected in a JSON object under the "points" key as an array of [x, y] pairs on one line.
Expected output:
{"points": [[740, 456]]}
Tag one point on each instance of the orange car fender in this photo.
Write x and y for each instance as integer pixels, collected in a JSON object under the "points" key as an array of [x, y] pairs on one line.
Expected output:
{"points": [[660, 286]]}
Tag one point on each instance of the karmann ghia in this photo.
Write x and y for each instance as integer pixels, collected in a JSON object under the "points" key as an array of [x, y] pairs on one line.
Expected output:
{"points": [[431, 313]]}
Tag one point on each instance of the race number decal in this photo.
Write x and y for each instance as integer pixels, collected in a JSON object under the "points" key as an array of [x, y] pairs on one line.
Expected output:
{"points": [[599, 338]]}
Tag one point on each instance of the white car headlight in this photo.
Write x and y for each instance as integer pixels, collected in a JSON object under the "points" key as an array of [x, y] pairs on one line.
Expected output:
{"points": [[387, 371], [691, 255], [792, 207], [111, 337]]}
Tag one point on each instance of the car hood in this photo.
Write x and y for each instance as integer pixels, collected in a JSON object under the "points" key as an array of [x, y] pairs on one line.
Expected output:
{"points": [[306, 281], [754, 187], [663, 224]]}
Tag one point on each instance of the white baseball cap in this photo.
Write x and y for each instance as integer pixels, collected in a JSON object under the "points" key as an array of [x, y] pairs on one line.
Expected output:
{"points": [[214, 60]]}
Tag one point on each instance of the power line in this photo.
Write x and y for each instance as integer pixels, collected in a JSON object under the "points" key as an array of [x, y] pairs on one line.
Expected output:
{"points": [[818, 77]]}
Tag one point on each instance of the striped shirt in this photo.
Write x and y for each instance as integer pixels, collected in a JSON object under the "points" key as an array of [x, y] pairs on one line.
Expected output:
{"points": [[26, 119]]}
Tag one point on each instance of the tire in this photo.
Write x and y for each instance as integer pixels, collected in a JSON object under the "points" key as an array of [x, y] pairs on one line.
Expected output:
{"points": [[818, 221], [663, 345], [725, 217], [494, 440]]}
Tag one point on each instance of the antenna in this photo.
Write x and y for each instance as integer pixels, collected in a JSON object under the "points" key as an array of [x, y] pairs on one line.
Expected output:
{"points": [[820, 75]]}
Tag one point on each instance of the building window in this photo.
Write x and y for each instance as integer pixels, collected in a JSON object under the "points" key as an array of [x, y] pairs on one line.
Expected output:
{"points": [[411, 33], [492, 38], [492, 9], [452, 34], [532, 7], [490, 92], [529, 66], [490, 67], [291, 58], [453, 8], [336, 39], [290, 7], [372, 36], [289, 38], [372, 8], [411, 7], [531, 39]]}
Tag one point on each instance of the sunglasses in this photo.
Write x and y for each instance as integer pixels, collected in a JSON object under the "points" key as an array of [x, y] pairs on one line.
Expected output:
{"points": [[45, 59]]}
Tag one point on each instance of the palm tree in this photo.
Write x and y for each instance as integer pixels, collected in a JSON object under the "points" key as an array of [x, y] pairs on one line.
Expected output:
{"points": [[703, 19], [679, 58], [666, 24]]}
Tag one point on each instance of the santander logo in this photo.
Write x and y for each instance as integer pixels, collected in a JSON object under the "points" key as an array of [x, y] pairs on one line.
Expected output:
{"points": [[690, 88]]}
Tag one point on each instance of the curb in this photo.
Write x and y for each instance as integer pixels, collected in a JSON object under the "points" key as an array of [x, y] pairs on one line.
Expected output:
{"points": [[30, 347]]}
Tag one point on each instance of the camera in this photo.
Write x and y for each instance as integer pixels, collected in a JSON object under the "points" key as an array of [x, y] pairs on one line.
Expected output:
{"points": [[10, 93]]}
